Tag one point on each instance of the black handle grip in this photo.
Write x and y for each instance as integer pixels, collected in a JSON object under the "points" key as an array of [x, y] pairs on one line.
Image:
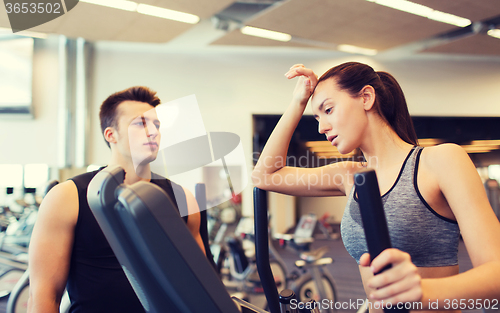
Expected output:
{"points": [[372, 212], [373, 217], [262, 250]]}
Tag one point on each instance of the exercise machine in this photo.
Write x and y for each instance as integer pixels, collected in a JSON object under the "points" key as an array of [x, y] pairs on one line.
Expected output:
{"points": [[373, 219], [162, 261]]}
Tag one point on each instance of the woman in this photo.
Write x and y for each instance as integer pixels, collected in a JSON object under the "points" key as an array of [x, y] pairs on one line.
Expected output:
{"points": [[429, 192]]}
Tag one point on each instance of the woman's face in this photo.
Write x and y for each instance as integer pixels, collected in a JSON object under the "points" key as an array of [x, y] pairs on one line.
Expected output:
{"points": [[341, 117]]}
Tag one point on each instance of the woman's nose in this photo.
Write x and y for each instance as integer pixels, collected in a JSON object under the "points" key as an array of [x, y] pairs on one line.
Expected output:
{"points": [[323, 126]]}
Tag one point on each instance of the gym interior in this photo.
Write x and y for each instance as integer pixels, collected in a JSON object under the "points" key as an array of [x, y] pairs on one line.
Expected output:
{"points": [[226, 79]]}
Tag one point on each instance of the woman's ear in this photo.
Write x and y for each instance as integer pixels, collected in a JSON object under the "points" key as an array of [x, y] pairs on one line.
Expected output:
{"points": [[368, 95], [109, 135]]}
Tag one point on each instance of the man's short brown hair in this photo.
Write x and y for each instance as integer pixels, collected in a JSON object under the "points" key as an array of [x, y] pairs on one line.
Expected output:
{"points": [[107, 113]]}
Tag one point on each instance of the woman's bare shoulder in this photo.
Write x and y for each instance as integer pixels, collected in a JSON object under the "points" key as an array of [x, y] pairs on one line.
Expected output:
{"points": [[444, 156]]}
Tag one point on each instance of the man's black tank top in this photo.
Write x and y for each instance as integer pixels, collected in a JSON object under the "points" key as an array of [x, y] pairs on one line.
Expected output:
{"points": [[96, 281]]}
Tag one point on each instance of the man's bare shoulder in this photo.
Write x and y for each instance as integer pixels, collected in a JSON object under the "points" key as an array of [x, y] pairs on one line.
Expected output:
{"points": [[61, 202]]}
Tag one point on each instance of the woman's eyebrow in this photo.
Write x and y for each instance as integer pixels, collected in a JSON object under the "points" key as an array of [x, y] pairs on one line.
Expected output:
{"points": [[322, 104]]}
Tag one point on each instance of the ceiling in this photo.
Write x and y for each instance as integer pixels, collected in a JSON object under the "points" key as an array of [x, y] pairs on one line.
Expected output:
{"points": [[322, 24]]}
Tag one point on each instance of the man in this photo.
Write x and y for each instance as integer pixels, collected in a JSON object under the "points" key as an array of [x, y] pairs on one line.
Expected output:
{"points": [[68, 249]]}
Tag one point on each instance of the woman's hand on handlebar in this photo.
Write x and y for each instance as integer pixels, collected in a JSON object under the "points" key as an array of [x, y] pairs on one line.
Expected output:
{"points": [[306, 83], [400, 283]]}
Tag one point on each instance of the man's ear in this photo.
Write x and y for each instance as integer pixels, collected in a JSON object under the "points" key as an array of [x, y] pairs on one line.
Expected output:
{"points": [[110, 135], [368, 95]]}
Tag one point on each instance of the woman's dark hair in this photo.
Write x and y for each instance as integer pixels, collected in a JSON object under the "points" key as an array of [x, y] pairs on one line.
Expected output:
{"points": [[390, 101], [107, 113]]}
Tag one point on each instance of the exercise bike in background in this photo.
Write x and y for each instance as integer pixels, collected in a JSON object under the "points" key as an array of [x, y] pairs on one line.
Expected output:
{"points": [[18, 219], [219, 218], [314, 281], [18, 298], [311, 280], [240, 271]]}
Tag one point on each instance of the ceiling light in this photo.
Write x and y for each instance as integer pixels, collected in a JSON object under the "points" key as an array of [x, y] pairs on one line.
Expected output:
{"points": [[494, 171], [264, 33], [323, 143], [406, 6], [486, 142], [494, 33], [8, 31], [325, 149], [354, 49], [167, 14], [116, 4], [476, 149], [449, 18], [429, 142], [32, 34], [422, 10]]}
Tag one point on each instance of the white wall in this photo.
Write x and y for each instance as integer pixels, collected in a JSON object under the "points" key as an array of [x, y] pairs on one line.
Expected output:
{"points": [[24, 141], [233, 84]]}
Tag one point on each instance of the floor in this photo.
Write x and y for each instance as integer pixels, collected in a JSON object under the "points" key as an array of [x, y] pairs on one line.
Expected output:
{"points": [[344, 270], [346, 274]]}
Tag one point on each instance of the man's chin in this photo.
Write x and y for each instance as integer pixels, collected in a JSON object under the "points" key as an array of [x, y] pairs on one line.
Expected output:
{"points": [[145, 160]]}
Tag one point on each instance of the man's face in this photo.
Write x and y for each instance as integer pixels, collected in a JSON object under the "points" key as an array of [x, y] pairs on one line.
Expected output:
{"points": [[138, 135]]}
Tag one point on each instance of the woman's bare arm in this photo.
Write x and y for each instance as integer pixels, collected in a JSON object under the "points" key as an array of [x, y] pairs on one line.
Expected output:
{"points": [[271, 172]]}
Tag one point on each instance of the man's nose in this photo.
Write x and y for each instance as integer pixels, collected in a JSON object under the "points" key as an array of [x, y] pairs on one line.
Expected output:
{"points": [[151, 130]]}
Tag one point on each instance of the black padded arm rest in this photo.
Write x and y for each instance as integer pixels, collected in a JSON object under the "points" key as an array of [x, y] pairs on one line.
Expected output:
{"points": [[162, 260]]}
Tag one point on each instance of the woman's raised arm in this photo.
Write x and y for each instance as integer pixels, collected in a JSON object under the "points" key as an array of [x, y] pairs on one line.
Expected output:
{"points": [[271, 172]]}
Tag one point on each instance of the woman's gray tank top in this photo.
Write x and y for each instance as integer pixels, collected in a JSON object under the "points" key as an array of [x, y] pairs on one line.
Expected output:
{"points": [[414, 227]]}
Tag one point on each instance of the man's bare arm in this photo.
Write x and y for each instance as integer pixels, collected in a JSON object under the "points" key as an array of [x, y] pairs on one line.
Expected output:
{"points": [[193, 222], [50, 248]]}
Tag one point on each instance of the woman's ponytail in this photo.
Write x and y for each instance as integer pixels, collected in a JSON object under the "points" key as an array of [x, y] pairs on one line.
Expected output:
{"points": [[392, 104]]}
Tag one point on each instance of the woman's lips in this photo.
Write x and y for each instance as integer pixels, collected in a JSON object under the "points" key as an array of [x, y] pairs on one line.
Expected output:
{"points": [[332, 139]]}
